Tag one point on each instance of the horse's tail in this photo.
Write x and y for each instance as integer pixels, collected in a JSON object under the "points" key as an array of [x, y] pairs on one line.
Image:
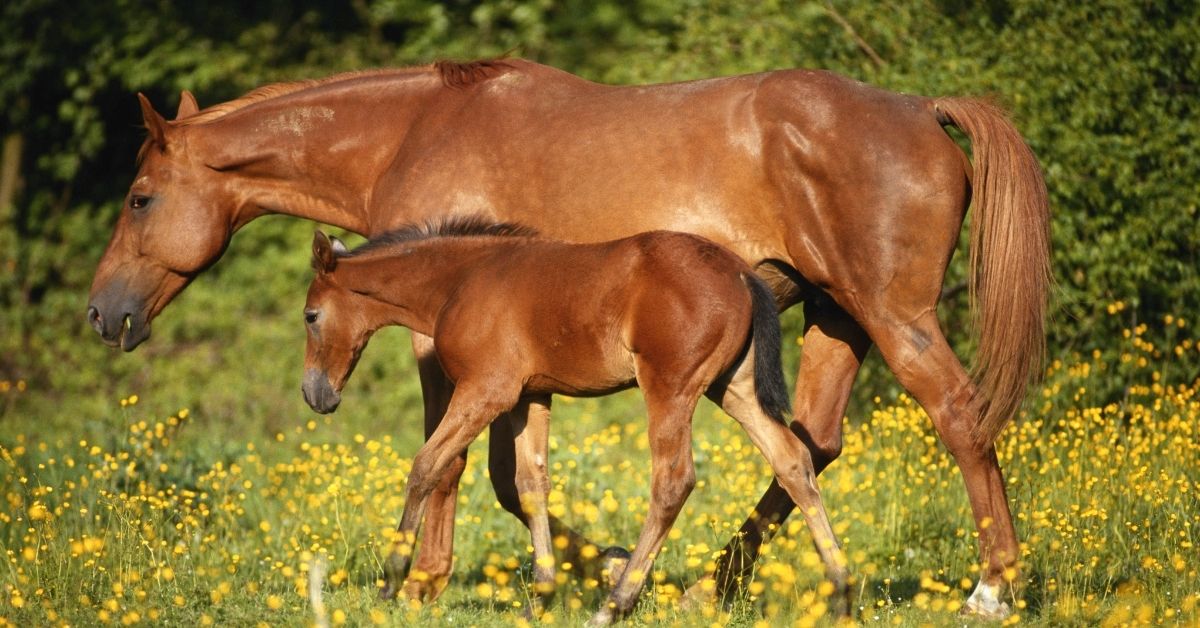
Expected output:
{"points": [[769, 386], [1009, 259]]}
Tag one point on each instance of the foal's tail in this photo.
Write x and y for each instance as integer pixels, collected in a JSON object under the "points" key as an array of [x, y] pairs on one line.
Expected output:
{"points": [[769, 386], [1010, 258]]}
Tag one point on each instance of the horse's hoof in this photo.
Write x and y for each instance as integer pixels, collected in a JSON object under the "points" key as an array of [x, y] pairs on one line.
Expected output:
{"points": [[985, 603], [613, 561], [700, 595], [387, 592]]}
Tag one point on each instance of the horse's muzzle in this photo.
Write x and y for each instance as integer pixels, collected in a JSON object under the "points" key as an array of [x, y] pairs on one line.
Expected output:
{"points": [[319, 393], [124, 327]]}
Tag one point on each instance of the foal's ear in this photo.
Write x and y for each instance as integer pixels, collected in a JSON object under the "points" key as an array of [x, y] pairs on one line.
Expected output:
{"points": [[324, 257], [187, 105], [155, 123]]}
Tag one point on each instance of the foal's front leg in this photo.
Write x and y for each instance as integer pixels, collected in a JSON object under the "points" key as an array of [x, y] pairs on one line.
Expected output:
{"points": [[435, 559], [471, 409]]}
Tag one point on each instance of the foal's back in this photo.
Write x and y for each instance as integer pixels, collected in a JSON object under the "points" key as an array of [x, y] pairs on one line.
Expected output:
{"points": [[576, 318]]}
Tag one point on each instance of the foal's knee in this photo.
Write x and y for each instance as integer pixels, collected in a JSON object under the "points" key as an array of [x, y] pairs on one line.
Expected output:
{"points": [[423, 478]]}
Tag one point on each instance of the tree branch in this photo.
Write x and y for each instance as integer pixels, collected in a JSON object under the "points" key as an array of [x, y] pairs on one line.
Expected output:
{"points": [[862, 43], [10, 172]]}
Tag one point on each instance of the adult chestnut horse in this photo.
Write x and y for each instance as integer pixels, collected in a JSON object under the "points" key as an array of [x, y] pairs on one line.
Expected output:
{"points": [[842, 196]]}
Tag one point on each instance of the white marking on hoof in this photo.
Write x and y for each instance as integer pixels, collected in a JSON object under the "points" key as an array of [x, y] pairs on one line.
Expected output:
{"points": [[700, 595], [985, 602], [603, 617]]}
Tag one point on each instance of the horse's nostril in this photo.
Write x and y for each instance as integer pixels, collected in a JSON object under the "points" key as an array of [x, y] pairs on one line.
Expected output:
{"points": [[93, 316]]}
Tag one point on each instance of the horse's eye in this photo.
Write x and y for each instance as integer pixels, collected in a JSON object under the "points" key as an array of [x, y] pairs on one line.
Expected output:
{"points": [[138, 201], [310, 317]]}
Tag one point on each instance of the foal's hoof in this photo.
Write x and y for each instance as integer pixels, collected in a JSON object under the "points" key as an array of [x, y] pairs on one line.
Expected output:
{"points": [[985, 603], [424, 591], [613, 561], [603, 617], [700, 595]]}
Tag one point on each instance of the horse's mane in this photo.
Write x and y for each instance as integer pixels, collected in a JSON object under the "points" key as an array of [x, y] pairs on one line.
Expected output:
{"points": [[457, 226], [453, 74]]}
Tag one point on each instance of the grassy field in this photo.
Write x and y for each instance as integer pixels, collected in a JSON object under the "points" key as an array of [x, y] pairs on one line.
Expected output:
{"points": [[161, 519]]}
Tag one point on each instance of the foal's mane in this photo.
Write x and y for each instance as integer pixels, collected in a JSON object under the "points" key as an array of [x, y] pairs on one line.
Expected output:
{"points": [[453, 74], [454, 227]]}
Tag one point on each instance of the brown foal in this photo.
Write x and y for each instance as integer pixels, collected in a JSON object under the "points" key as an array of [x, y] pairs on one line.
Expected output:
{"points": [[515, 318]]}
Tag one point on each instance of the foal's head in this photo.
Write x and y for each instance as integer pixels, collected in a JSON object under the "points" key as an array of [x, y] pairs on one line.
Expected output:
{"points": [[338, 323]]}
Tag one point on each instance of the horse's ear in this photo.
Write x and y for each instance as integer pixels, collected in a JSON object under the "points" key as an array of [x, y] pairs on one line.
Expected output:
{"points": [[339, 247], [187, 105], [155, 123], [324, 259]]}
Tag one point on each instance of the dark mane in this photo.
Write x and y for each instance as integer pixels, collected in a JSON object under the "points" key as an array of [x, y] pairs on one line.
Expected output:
{"points": [[456, 74], [454, 227]]}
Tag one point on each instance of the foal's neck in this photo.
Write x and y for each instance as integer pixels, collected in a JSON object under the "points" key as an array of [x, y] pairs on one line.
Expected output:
{"points": [[416, 279]]}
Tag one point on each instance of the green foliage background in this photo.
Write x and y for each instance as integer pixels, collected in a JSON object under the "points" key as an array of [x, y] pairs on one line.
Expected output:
{"points": [[1106, 93]]}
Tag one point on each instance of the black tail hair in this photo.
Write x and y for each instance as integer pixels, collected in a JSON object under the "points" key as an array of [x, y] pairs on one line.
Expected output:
{"points": [[769, 385]]}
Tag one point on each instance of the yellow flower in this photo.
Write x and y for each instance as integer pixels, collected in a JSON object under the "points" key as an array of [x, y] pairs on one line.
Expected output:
{"points": [[38, 512]]}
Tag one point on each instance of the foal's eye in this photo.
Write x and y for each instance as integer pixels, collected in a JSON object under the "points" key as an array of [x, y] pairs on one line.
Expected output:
{"points": [[138, 201], [310, 317]]}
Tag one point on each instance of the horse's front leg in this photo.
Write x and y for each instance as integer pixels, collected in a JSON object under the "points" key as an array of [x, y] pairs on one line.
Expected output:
{"points": [[530, 425], [603, 564], [435, 559]]}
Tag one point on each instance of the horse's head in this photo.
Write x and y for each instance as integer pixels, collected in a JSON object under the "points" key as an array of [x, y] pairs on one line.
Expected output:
{"points": [[177, 219], [338, 329]]}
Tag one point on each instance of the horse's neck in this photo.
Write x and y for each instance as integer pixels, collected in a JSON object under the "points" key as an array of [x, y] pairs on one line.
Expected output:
{"points": [[316, 153]]}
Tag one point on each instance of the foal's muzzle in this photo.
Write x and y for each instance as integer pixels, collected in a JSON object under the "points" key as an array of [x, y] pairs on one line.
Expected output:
{"points": [[319, 393]]}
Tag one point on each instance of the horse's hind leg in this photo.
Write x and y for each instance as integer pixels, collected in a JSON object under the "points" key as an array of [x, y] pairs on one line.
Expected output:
{"points": [[794, 471], [672, 478], [530, 426], [924, 363]]}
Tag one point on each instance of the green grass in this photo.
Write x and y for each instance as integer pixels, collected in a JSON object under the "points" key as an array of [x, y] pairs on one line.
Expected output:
{"points": [[162, 519], [126, 512]]}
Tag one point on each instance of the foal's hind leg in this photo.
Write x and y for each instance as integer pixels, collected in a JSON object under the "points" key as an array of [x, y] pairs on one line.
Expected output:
{"points": [[924, 363], [673, 477], [834, 348], [794, 471]]}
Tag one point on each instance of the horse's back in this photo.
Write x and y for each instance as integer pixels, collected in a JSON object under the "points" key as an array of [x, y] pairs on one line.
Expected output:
{"points": [[732, 158], [849, 184]]}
